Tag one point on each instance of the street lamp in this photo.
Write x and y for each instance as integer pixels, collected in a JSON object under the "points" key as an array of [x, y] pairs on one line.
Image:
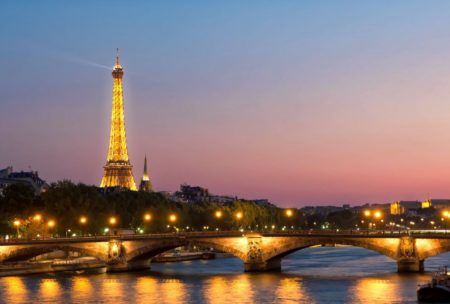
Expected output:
{"points": [[37, 217], [289, 213], [83, 220], [17, 225], [172, 218], [112, 220], [147, 217], [218, 214], [239, 215], [51, 224]]}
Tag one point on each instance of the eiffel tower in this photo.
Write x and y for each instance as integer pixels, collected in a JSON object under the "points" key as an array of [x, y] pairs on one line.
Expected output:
{"points": [[118, 169]]}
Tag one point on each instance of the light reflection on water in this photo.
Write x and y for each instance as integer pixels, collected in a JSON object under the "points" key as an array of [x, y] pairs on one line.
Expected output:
{"points": [[316, 275]]}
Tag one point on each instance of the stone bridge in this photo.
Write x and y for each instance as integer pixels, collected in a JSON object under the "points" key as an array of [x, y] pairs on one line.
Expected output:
{"points": [[259, 251]]}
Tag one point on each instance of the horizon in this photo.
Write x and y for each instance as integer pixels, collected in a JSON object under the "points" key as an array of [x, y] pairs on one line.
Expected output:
{"points": [[299, 102]]}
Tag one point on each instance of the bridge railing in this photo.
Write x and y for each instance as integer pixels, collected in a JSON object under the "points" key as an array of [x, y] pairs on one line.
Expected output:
{"points": [[348, 233]]}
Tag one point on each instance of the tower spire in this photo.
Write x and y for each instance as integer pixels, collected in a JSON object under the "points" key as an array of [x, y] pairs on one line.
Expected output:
{"points": [[118, 169], [146, 184]]}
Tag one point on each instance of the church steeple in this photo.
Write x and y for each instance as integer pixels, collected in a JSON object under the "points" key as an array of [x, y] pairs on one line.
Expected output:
{"points": [[146, 184]]}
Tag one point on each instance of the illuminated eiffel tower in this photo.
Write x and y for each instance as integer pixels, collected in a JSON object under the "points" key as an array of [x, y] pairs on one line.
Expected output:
{"points": [[118, 169]]}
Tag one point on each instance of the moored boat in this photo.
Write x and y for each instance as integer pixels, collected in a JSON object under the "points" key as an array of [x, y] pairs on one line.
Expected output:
{"points": [[438, 290]]}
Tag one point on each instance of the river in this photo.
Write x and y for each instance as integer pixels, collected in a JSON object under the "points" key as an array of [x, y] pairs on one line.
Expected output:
{"points": [[313, 275]]}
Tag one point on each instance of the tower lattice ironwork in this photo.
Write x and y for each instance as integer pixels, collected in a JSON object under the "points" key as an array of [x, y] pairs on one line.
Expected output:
{"points": [[118, 169]]}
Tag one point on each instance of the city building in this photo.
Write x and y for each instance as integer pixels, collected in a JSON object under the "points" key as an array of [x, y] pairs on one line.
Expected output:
{"points": [[118, 169], [402, 207], [436, 203], [189, 193], [146, 184], [30, 178]]}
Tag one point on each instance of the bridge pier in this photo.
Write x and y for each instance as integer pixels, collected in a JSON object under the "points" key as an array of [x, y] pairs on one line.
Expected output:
{"points": [[271, 265], [411, 265]]}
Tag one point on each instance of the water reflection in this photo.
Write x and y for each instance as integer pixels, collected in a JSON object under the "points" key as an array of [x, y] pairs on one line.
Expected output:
{"points": [[231, 289], [14, 290], [291, 290], [112, 288], [82, 288], [375, 290], [49, 290]]}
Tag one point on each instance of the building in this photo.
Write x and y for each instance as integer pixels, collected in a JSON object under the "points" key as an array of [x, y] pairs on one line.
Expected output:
{"points": [[189, 193], [402, 207], [30, 178], [146, 184], [436, 203], [118, 169]]}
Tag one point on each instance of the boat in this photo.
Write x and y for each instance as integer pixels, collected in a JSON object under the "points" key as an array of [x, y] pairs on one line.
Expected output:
{"points": [[438, 290], [78, 266], [182, 256]]}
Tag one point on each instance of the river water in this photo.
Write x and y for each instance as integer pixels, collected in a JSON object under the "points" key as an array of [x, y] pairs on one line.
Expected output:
{"points": [[313, 275]]}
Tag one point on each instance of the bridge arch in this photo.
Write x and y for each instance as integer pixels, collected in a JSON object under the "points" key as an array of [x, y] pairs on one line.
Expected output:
{"points": [[291, 246], [149, 251], [29, 252]]}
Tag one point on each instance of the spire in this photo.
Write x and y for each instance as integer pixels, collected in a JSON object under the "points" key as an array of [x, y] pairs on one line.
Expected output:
{"points": [[117, 65], [146, 184], [145, 175]]}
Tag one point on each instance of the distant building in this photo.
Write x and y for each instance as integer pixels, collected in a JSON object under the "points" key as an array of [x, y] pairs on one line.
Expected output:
{"points": [[193, 193], [146, 184], [436, 203], [30, 178], [402, 207]]}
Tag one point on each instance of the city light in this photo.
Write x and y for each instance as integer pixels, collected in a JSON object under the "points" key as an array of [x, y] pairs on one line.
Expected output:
{"points": [[112, 220], [218, 214], [83, 220], [147, 217], [16, 223], [289, 213], [51, 224], [367, 213], [239, 215], [37, 217], [172, 218], [377, 214]]}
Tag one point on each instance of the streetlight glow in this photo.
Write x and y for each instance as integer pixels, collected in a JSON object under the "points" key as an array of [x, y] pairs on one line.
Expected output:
{"points": [[83, 220], [112, 220], [289, 213], [51, 224], [147, 217], [239, 215], [218, 214], [172, 218]]}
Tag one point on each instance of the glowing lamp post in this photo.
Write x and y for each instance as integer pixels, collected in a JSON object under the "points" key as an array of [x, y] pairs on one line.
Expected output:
{"points": [[17, 225], [83, 222], [112, 221], [147, 217], [51, 224], [446, 215], [218, 214], [172, 218]]}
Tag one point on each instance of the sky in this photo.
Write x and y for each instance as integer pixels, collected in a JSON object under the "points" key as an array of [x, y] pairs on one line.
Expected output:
{"points": [[300, 102]]}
